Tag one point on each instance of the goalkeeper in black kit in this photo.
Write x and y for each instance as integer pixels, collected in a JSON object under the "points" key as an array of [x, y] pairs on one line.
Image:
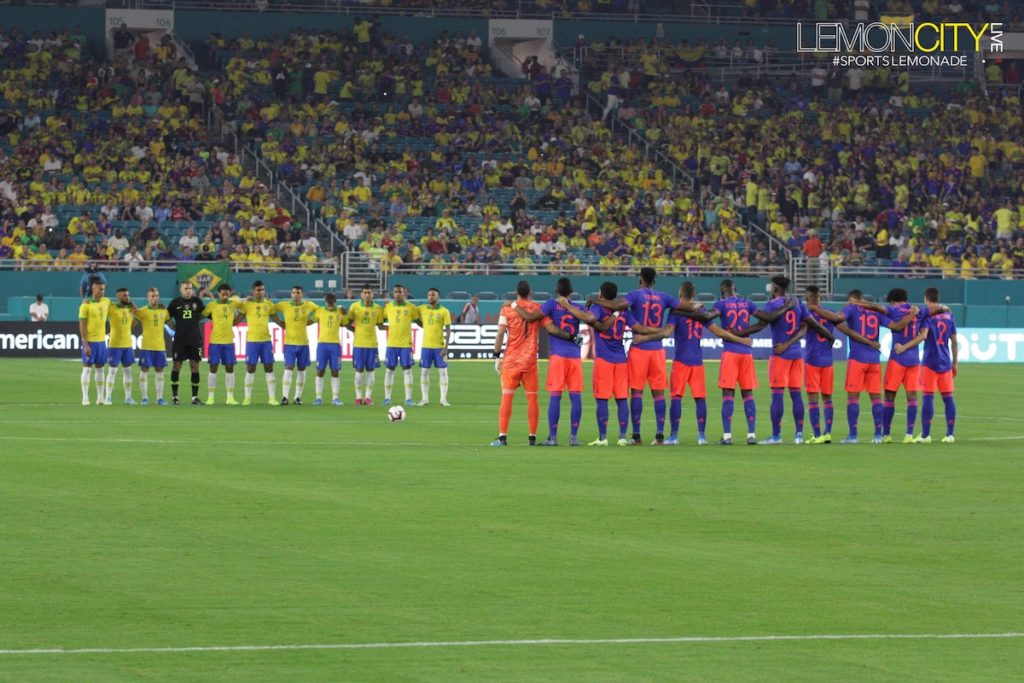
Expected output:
{"points": [[186, 317]]}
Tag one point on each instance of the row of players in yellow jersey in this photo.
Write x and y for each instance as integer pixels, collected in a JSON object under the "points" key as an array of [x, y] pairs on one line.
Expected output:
{"points": [[186, 313]]}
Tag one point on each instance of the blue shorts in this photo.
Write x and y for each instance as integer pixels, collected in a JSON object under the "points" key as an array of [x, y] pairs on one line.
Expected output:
{"points": [[120, 356], [432, 358], [97, 354], [328, 354], [259, 352], [394, 357], [296, 354], [222, 354], [365, 358], [152, 359]]}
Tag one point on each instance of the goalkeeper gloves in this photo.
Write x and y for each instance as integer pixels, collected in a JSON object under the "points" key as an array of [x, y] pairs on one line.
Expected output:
{"points": [[577, 339]]}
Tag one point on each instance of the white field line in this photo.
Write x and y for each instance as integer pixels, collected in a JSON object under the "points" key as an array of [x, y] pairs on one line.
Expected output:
{"points": [[506, 643]]}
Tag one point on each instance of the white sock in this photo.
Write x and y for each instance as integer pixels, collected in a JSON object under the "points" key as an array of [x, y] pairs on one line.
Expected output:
{"points": [[211, 383], [319, 382], [443, 375], [86, 380], [229, 382], [408, 384], [144, 385], [727, 435], [335, 387], [250, 377], [389, 381], [286, 383], [159, 385], [370, 379], [425, 383], [272, 385], [300, 382], [108, 385], [127, 381]]}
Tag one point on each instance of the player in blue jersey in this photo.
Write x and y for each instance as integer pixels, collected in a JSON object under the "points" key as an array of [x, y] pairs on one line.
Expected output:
{"points": [[940, 361], [737, 366]]}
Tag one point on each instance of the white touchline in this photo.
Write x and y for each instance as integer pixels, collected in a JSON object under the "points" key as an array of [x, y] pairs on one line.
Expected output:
{"points": [[506, 643]]}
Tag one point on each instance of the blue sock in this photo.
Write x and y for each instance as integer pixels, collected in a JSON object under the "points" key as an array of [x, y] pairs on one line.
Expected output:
{"points": [[829, 414], [911, 414], [776, 411], [797, 398], [947, 399], [575, 412], [636, 410], [622, 406], [675, 414], [888, 413], [927, 413], [702, 416], [853, 415], [877, 416], [602, 418], [815, 418], [554, 413], [727, 406], [659, 413], [750, 410]]}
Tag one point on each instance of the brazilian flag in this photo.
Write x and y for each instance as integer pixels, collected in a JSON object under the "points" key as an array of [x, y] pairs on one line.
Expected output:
{"points": [[204, 274]]}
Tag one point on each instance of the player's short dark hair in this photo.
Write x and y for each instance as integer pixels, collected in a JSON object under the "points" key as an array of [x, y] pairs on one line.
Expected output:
{"points": [[398, 286], [523, 288], [813, 289], [330, 298], [781, 281], [367, 287], [39, 297], [609, 290], [854, 294], [726, 285], [224, 287], [121, 289], [563, 287], [896, 294], [258, 283], [434, 289], [648, 275], [687, 289], [298, 287], [931, 295]]}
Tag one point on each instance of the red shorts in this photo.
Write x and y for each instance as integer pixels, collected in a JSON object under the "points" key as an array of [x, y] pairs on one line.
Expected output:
{"points": [[688, 376], [863, 377], [785, 374], [818, 380], [932, 381], [512, 378], [565, 374], [611, 380], [737, 368], [897, 376], [647, 366]]}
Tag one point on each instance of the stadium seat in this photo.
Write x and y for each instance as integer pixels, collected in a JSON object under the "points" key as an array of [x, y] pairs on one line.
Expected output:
{"points": [[510, 296], [487, 296], [541, 296], [759, 297], [706, 297], [458, 295]]}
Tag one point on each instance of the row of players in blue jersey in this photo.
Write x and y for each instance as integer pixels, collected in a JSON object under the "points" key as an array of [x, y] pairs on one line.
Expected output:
{"points": [[655, 315]]}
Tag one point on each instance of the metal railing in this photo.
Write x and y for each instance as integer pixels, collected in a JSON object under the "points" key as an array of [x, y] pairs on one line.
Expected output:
{"points": [[905, 272], [582, 269], [160, 266]]}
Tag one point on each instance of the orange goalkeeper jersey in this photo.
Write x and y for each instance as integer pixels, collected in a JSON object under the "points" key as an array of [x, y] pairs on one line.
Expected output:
{"points": [[521, 347]]}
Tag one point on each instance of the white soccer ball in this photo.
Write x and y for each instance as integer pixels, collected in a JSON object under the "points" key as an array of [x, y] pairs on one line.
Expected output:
{"points": [[396, 414]]}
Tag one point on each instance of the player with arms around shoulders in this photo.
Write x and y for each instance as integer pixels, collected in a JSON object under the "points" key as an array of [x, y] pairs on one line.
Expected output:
{"points": [[939, 368], [153, 316], [518, 367], [398, 317], [365, 318], [331, 318], [92, 327], [119, 350], [186, 312], [223, 315], [436, 321], [259, 348], [294, 316], [737, 366]]}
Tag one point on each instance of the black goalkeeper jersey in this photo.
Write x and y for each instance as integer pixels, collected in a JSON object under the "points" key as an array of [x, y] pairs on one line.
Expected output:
{"points": [[187, 315]]}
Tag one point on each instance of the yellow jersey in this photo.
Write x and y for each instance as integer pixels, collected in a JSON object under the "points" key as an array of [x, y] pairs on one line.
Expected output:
{"points": [[153, 321], [94, 313], [223, 318], [121, 320], [295, 320], [434, 321], [331, 321], [365, 320], [399, 318], [257, 317]]}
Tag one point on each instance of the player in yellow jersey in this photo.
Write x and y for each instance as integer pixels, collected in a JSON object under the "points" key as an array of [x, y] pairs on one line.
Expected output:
{"points": [[223, 314], [294, 316], [365, 318], [328, 349], [92, 326], [154, 345], [436, 321], [119, 348], [258, 347], [398, 317]]}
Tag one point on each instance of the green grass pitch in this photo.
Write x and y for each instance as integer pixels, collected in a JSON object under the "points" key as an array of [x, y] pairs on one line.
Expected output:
{"points": [[145, 527]]}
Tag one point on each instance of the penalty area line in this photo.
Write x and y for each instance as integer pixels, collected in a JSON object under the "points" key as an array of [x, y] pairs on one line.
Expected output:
{"points": [[509, 643]]}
